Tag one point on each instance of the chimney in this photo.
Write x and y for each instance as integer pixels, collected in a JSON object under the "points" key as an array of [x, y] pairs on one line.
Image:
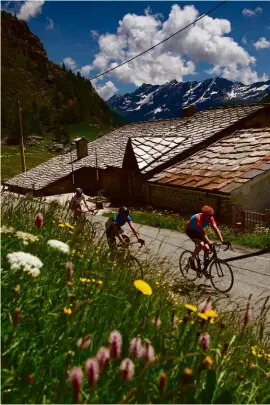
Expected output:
{"points": [[189, 111], [82, 147]]}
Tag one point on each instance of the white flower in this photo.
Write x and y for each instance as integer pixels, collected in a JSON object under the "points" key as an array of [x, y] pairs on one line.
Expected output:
{"points": [[26, 237], [26, 261], [5, 229], [57, 244]]}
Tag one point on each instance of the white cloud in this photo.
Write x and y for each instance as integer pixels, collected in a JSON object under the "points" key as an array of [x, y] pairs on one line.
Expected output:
{"points": [[106, 91], [249, 12], [70, 63], [85, 70], [95, 34], [30, 9], [206, 41], [262, 43], [50, 24], [244, 40]]}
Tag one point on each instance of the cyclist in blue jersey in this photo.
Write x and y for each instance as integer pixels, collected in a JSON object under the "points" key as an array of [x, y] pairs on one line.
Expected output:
{"points": [[195, 231], [114, 227]]}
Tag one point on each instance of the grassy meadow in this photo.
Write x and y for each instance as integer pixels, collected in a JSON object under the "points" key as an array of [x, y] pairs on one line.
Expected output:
{"points": [[78, 328]]}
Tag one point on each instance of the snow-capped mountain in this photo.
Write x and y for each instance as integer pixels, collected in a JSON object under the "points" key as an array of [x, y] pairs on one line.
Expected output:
{"points": [[167, 101]]}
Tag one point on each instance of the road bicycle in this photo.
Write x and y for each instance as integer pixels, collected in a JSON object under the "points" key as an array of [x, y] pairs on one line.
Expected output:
{"points": [[217, 270], [122, 253], [83, 221]]}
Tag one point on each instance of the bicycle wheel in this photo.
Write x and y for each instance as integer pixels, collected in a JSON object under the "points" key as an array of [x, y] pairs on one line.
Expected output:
{"points": [[184, 265], [135, 267], [221, 275]]}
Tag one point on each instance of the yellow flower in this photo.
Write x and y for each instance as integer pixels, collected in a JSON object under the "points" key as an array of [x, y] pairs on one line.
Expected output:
{"points": [[100, 282], [191, 308], [211, 314], [143, 287], [83, 280], [61, 226], [203, 316], [212, 321], [67, 224], [73, 251], [93, 280], [208, 361], [67, 311], [88, 280], [69, 283]]}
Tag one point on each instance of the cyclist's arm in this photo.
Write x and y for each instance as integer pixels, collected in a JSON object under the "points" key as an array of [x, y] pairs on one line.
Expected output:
{"points": [[133, 229], [215, 229], [117, 232]]}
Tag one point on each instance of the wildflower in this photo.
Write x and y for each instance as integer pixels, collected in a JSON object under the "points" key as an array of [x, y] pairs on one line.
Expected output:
{"points": [[39, 220], [136, 347], [67, 225], [16, 316], [191, 308], [76, 377], [26, 237], [127, 369], [157, 320], [103, 358], [69, 270], [205, 305], [26, 261], [83, 280], [115, 340], [18, 288], [203, 316], [142, 323], [247, 315], [143, 287], [162, 382], [30, 378], [5, 229], [148, 353], [69, 283], [187, 376], [61, 226], [208, 361], [68, 311], [93, 280], [58, 245], [211, 313], [84, 343], [204, 341], [91, 369], [100, 282]]}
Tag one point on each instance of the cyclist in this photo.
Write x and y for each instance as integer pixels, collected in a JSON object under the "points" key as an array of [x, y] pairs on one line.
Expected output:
{"points": [[114, 224], [195, 231], [75, 203]]}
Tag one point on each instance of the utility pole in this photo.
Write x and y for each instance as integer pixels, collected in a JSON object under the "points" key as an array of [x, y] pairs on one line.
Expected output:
{"points": [[21, 134], [97, 169]]}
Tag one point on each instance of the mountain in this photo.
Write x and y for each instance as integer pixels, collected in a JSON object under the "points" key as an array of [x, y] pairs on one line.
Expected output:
{"points": [[167, 101], [50, 96]]}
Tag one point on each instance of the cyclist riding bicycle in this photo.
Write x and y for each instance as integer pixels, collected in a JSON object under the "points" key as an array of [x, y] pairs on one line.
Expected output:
{"points": [[114, 224], [75, 203], [195, 231]]}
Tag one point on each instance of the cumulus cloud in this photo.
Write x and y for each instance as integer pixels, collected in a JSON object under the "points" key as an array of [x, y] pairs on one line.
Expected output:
{"points": [[262, 43], [106, 91], [50, 24], [30, 9], [70, 63], [249, 12], [85, 70], [206, 41], [95, 34]]}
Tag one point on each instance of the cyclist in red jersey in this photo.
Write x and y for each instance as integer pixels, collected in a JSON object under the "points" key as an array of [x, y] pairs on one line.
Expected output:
{"points": [[195, 231]]}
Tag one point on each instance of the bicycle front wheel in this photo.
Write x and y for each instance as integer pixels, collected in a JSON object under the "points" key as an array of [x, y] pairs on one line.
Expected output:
{"points": [[184, 265], [135, 267], [221, 275]]}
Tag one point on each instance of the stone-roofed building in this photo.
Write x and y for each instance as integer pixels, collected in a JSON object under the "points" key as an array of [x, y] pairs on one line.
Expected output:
{"points": [[131, 155]]}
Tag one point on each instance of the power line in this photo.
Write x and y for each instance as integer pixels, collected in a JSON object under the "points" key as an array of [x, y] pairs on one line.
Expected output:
{"points": [[161, 42]]}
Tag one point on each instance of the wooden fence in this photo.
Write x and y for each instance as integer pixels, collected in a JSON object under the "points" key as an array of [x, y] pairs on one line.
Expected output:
{"points": [[251, 220]]}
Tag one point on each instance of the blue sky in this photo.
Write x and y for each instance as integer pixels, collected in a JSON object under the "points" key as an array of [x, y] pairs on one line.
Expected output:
{"points": [[226, 45]]}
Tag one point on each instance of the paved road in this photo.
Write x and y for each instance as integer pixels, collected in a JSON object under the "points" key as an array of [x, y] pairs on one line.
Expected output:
{"points": [[252, 275]]}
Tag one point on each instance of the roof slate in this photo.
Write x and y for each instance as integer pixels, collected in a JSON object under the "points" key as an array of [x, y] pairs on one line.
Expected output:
{"points": [[217, 168], [154, 142]]}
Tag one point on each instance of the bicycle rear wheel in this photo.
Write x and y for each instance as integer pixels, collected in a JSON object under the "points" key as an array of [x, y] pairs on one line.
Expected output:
{"points": [[187, 272], [221, 275]]}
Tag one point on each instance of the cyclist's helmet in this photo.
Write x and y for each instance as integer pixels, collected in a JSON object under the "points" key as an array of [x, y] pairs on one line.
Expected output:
{"points": [[78, 191], [207, 210], [123, 210]]}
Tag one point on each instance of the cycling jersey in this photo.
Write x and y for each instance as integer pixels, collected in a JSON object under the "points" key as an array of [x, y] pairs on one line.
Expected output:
{"points": [[117, 220], [198, 221]]}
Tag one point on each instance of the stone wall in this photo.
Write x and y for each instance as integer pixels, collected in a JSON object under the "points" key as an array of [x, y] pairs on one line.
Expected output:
{"points": [[180, 199]]}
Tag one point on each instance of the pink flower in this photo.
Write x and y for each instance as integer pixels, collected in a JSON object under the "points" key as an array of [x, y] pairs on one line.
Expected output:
{"points": [[76, 377], [39, 220], [16, 316], [103, 358], [204, 340], [91, 369], [115, 341], [127, 369], [84, 343], [156, 321], [162, 382], [148, 351], [69, 270], [247, 315], [136, 347], [205, 305]]}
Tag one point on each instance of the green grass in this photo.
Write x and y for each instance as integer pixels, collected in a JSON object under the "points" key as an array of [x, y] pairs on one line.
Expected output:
{"points": [[258, 240], [89, 130], [39, 349]]}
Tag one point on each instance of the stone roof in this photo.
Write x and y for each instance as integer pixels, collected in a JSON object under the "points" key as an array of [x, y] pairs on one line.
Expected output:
{"points": [[223, 166], [166, 139]]}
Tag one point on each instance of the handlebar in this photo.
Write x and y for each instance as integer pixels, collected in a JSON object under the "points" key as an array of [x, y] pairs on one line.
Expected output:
{"points": [[125, 245], [227, 244]]}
